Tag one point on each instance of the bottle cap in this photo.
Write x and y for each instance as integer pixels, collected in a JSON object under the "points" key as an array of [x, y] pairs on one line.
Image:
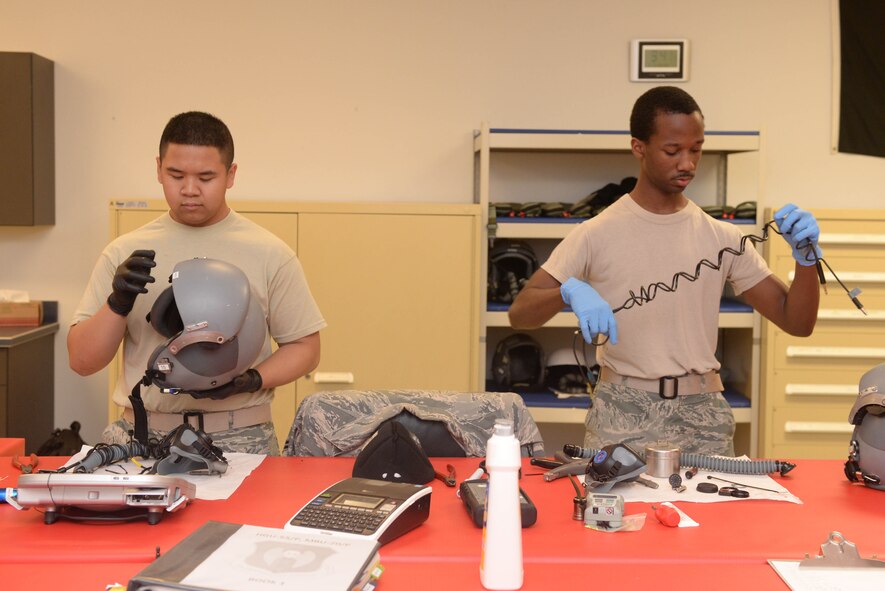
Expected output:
{"points": [[503, 427]]}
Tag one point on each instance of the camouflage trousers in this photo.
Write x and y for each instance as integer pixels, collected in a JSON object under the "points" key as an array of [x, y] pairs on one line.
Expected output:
{"points": [[696, 423], [255, 439]]}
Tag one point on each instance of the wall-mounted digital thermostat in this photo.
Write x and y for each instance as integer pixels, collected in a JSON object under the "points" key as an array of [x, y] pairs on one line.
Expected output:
{"points": [[659, 60]]}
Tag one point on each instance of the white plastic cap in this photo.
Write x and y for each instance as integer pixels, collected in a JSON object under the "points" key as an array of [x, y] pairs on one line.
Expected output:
{"points": [[503, 427]]}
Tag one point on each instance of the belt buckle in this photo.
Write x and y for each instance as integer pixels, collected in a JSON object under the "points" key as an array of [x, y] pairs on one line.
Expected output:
{"points": [[193, 413], [661, 387]]}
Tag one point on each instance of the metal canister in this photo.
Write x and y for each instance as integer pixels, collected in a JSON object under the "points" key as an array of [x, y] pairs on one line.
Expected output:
{"points": [[661, 459]]}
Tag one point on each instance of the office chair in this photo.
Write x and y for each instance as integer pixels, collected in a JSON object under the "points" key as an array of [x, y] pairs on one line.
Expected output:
{"points": [[338, 423]]}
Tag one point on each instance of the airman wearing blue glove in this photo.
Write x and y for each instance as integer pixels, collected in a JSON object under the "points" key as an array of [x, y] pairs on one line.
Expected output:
{"points": [[659, 374], [595, 316], [800, 230]]}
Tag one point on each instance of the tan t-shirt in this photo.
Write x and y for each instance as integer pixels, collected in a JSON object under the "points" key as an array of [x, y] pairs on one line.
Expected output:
{"points": [[274, 273], [625, 250]]}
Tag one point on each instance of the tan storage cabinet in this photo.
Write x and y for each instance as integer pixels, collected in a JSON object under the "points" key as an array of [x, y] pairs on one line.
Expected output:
{"points": [[810, 384], [397, 284]]}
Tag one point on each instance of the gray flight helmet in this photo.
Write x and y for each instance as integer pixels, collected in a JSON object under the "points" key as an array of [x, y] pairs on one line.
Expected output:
{"points": [[867, 451], [214, 325]]}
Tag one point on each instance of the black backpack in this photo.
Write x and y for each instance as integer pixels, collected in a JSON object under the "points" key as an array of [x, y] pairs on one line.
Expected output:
{"points": [[63, 442], [594, 203], [511, 263]]}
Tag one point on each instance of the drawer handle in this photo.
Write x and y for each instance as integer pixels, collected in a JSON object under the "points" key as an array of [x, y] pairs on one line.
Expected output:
{"points": [[833, 314], [849, 277], [333, 377], [820, 389], [817, 427], [836, 352], [828, 238]]}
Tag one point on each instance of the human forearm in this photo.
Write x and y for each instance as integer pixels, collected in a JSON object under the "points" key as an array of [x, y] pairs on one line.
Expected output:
{"points": [[93, 342], [290, 361], [535, 306], [536, 303], [802, 302], [793, 310]]}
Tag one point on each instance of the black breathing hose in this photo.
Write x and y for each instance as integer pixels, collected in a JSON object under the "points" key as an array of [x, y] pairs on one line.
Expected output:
{"points": [[105, 455], [703, 462]]}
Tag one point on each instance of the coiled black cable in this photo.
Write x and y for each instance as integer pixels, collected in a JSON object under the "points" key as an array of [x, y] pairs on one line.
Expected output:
{"points": [[648, 293]]}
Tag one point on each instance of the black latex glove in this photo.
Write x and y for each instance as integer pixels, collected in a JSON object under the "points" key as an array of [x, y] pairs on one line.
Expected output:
{"points": [[246, 382], [130, 279]]}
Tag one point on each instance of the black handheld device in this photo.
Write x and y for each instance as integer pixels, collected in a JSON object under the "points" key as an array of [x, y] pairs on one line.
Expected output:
{"points": [[473, 494]]}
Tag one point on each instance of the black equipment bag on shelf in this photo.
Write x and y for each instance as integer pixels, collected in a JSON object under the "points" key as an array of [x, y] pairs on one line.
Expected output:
{"points": [[62, 442], [518, 363], [511, 263], [593, 204]]}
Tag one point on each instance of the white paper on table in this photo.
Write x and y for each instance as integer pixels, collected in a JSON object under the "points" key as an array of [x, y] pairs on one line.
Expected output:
{"points": [[635, 492], [209, 488], [684, 519], [827, 579]]}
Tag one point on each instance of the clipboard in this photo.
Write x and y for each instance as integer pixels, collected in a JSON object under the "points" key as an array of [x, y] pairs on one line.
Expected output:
{"points": [[838, 566]]}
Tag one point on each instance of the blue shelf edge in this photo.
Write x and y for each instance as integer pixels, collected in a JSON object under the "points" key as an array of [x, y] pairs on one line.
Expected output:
{"points": [[726, 305], [543, 220], [547, 399], [602, 131]]}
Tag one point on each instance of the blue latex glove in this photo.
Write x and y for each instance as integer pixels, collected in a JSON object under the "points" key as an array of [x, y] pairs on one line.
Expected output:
{"points": [[594, 314], [800, 230]]}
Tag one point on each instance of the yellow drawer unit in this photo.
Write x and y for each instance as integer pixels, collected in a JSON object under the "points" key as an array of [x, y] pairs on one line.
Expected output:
{"points": [[809, 384], [810, 433]]}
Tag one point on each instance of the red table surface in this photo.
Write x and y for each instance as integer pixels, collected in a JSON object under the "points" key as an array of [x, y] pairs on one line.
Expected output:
{"points": [[12, 446], [459, 576], [732, 535]]}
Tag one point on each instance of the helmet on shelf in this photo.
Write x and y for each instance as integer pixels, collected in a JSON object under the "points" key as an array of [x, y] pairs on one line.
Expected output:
{"points": [[565, 375], [511, 264], [518, 362], [866, 457], [215, 327]]}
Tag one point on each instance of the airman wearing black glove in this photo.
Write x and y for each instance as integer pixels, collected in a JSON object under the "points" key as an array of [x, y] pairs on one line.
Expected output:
{"points": [[250, 381], [130, 279]]}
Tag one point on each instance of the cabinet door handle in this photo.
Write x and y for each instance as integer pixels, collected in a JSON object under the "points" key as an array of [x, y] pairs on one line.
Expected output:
{"points": [[333, 377], [852, 314], [849, 277], [820, 389], [837, 352], [817, 427], [853, 239]]}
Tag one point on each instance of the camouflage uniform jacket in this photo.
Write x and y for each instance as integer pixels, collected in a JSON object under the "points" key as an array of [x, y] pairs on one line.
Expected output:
{"points": [[339, 423]]}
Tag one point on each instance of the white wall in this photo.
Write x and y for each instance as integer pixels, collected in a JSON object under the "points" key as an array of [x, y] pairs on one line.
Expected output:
{"points": [[376, 101]]}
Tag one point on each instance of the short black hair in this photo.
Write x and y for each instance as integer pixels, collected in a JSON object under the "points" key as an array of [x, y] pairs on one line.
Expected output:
{"points": [[661, 99], [196, 128]]}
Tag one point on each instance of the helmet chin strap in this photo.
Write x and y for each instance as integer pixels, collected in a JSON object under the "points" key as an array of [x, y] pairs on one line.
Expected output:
{"points": [[141, 421]]}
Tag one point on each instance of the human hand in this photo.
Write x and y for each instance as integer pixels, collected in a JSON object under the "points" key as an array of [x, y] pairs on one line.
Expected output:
{"points": [[130, 280], [594, 314], [800, 230], [245, 382]]}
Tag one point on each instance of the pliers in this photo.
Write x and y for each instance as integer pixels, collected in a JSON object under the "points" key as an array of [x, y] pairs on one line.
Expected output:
{"points": [[448, 478], [26, 467]]}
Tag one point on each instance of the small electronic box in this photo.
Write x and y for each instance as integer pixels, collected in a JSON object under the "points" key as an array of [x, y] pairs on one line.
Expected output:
{"points": [[473, 494], [365, 508], [605, 511]]}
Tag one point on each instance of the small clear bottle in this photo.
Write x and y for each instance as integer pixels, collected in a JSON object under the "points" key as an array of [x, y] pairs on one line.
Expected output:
{"points": [[500, 567]]}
